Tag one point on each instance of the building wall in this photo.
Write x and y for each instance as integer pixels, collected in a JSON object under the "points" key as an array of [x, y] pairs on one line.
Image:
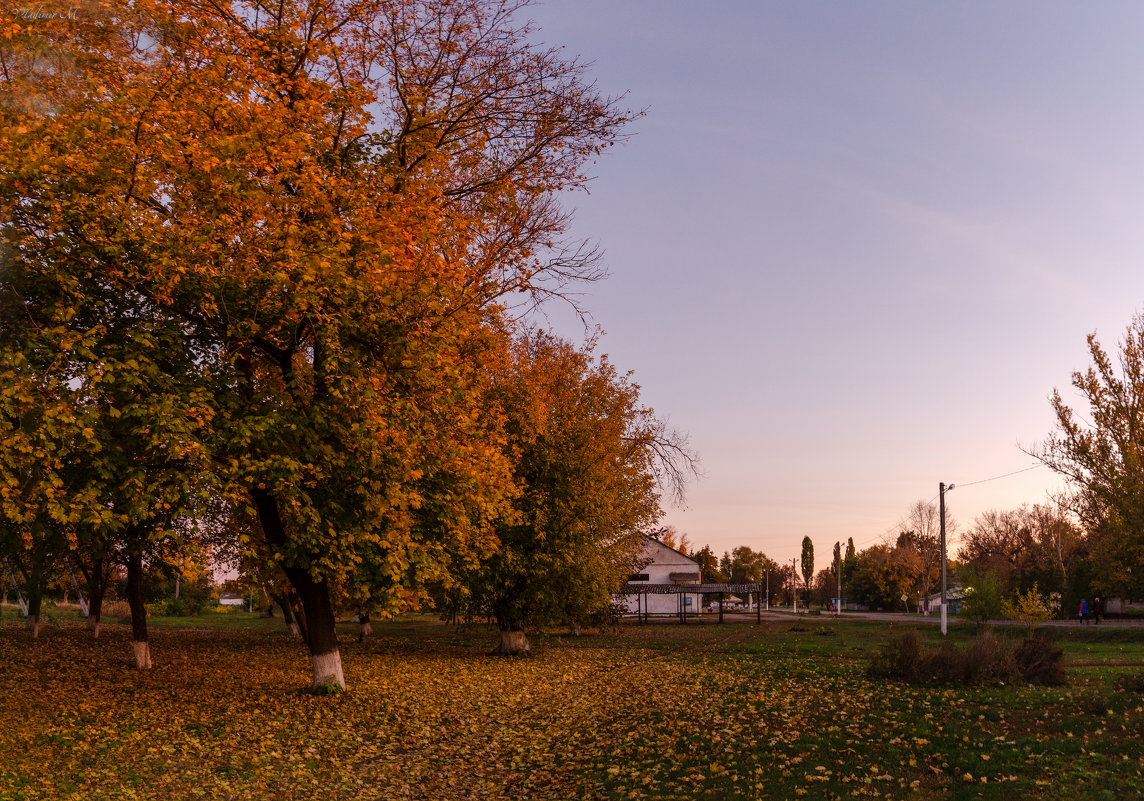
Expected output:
{"points": [[661, 563]]}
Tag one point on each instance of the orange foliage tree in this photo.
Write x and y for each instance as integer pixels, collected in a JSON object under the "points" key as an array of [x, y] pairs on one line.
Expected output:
{"points": [[332, 203], [589, 462]]}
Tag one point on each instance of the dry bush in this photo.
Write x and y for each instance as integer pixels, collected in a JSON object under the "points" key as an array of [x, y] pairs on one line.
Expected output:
{"points": [[1039, 661], [945, 665], [987, 659], [115, 609], [901, 658], [1132, 683]]}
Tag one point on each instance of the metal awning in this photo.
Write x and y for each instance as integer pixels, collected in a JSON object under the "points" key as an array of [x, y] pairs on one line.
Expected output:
{"points": [[635, 588]]}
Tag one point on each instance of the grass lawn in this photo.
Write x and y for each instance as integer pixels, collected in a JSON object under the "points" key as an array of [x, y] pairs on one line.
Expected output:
{"points": [[657, 711]]}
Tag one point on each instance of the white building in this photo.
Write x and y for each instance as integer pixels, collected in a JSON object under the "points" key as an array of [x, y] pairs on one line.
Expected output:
{"points": [[931, 605], [663, 565]]}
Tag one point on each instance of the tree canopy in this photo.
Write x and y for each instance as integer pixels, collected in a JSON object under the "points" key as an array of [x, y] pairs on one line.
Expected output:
{"points": [[319, 214], [1099, 448], [586, 457]]}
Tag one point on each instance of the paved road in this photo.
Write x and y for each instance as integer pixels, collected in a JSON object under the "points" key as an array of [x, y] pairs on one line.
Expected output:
{"points": [[1124, 623]]}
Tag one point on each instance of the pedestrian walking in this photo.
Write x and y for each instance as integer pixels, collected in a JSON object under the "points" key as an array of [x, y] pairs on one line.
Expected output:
{"points": [[1082, 613], [1097, 610]]}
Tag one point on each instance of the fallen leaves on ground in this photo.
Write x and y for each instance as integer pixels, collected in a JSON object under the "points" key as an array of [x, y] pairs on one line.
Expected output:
{"points": [[653, 712]]}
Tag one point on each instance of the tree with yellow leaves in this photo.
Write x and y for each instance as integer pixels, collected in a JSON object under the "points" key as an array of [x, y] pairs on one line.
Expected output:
{"points": [[332, 203], [589, 463]]}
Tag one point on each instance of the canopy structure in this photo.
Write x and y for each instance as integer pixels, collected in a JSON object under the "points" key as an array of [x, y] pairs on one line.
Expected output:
{"points": [[634, 588], [639, 588]]}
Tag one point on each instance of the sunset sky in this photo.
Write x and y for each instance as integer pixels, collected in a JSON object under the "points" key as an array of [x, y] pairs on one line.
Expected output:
{"points": [[855, 245]]}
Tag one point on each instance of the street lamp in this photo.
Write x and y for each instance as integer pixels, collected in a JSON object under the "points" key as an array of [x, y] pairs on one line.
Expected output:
{"points": [[941, 490]]}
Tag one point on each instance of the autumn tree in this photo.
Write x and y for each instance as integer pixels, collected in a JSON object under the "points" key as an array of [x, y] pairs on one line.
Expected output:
{"points": [[709, 568], [333, 205], [673, 538], [1099, 448], [1029, 545], [918, 547], [849, 562], [105, 427], [589, 461], [880, 578], [824, 586], [747, 566], [807, 563]]}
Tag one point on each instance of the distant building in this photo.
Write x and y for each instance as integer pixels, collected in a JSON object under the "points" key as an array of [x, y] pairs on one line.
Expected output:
{"points": [[664, 565], [230, 599], [931, 605]]}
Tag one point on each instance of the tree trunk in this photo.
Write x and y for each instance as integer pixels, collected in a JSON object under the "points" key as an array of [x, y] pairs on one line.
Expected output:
{"points": [[35, 596], [283, 602], [299, 616], [320, 631], [512, 643], [366, 629], [138, 610], [95, 589]]}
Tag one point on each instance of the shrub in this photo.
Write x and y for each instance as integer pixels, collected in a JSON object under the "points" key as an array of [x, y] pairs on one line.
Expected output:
{"points": [[901, 658], [1039, 661], [174, 607], [115, 609], [1133, 683], [982, 598], [945, 665], [987, 658], [607, 617], [183, 607], [1032, 608]]}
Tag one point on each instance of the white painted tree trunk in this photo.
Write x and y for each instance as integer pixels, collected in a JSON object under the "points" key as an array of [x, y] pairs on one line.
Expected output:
{"points": [[327, 671], [513, 643], [33, 625], [292, 628], [366, 629], [142, 655], [93, 626]]}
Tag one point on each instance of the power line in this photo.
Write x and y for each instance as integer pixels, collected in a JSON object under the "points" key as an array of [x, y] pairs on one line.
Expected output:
{"points": [[1005, 475], [958, 486]]}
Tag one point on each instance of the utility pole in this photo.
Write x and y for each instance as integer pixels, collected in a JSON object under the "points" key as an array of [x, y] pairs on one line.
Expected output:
{"points": [[768, 590], [838, 575], [941, 490], [794, 583]]}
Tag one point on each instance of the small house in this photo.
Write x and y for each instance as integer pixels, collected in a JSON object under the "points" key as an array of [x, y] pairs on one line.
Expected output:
{"points": [[664, 565], [931, 604]]}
